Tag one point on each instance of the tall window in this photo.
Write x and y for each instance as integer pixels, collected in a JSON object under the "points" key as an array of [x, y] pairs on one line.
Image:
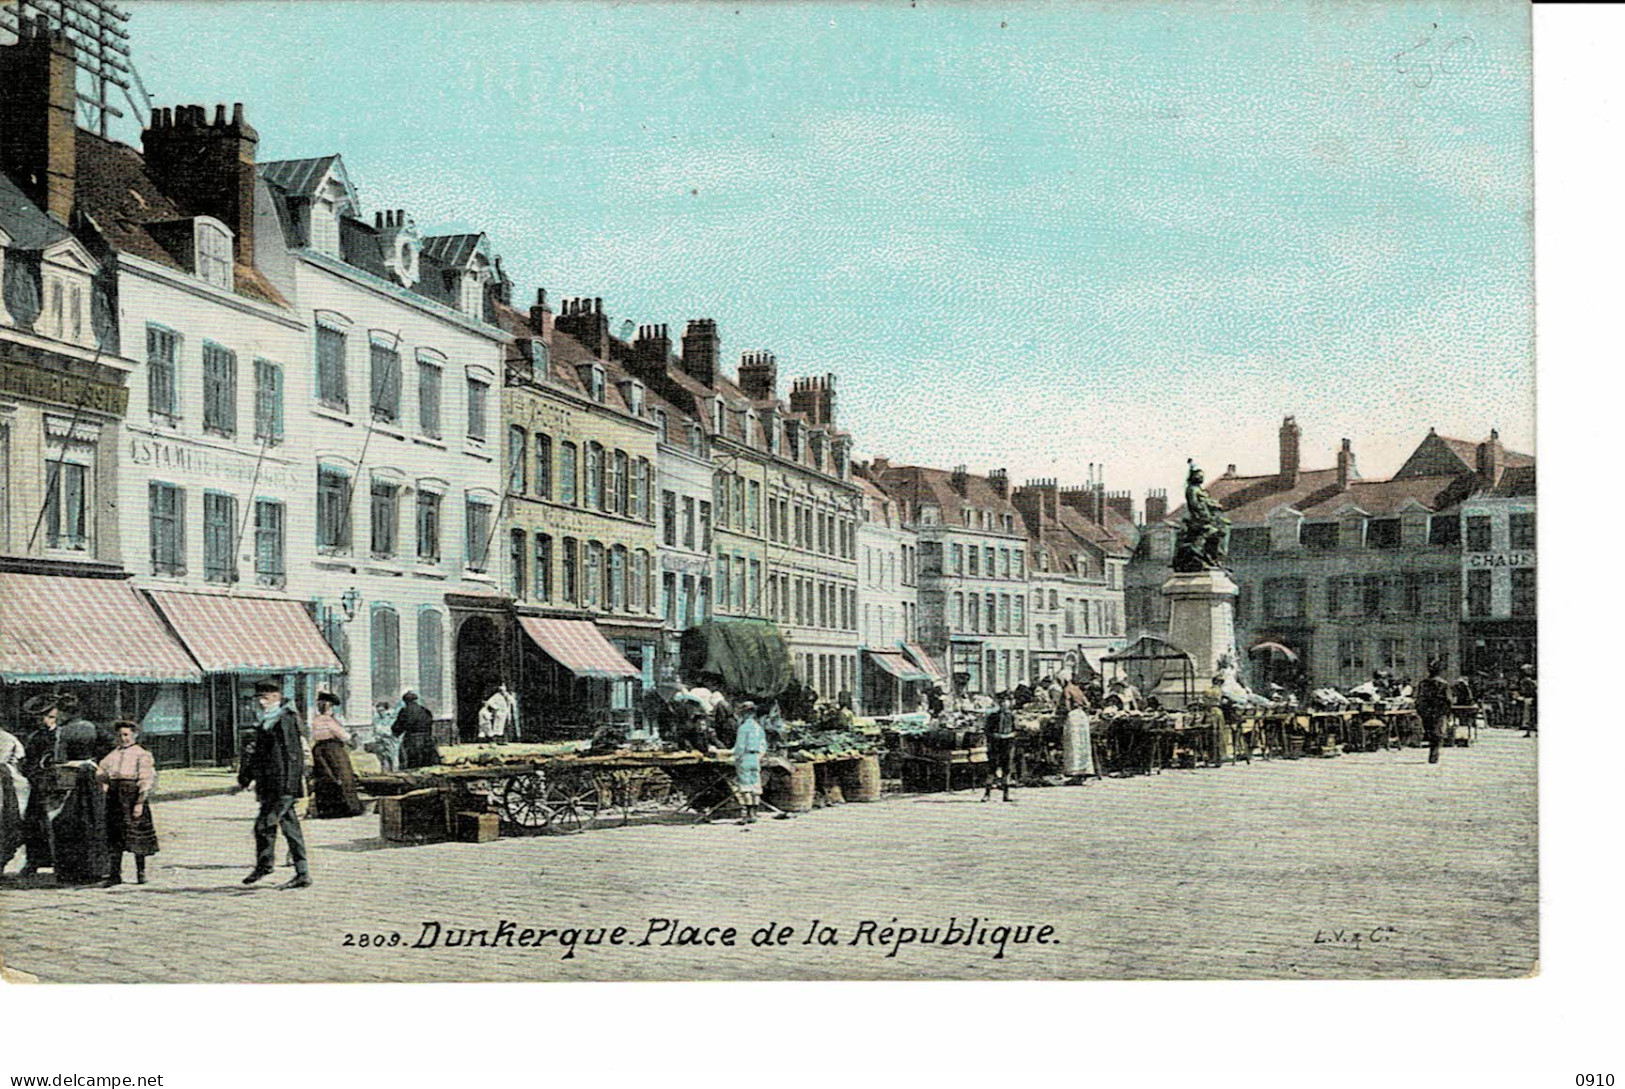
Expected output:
{"points": [[219, 533], [332, 510], [428, 527], [592, 582], [219, 390], [668, 519], [621, 503], [161, 351], [1382, 533], [705, 526], [617, 579], [1478, 533], [1444, 530], [517, 552], [431, 638], [642, 483], [332, 384], [753, 508], [1521, 528], [567, 473], [543, 568], [570, 571], [386, 654], [476, 533], [689, 526], [1523, 590], [594, 472], [385, 518], [166, 519], [516, 460], [544, 466], [386, 383], [267, 402], [270, 567], [1478, 592], [429, 378], [639, 585], [65, 506], [477, 392]]}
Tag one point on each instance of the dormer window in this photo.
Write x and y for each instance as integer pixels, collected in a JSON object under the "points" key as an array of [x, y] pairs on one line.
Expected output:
{"points": [[716, 416], [591, 376], [632, 394], [65, 281], [211, 252], [696, 439], [661, 424], [5, 240]]}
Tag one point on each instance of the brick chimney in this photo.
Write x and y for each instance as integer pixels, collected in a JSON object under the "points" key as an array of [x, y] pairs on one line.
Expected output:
{"points": [[1291, 442], [206, 167], [1122, 503], [584, 319], [1038, 501], [759, 375], [814, 397], [541, 315], [1345, 466], [1156, 506], [999, 480], [1492, 460], [702, 349], [651, 348], [38, 135], [959, 480]]}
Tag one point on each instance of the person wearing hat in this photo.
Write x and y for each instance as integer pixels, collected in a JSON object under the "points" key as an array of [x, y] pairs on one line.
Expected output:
{"points": [[333, 776], [1000, 730], [128, 774], [750, 742], [414, 725], [275, 763], [1528, 699], [63, 826], [1433, 703], [14, 792]]}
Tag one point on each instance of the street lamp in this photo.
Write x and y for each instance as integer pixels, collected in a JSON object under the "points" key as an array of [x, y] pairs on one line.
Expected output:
{"points": [[351, 601]]}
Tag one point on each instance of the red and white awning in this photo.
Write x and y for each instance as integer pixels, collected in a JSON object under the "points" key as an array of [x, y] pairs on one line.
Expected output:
{"points": [[926, 663], [898, 666], [579, 646], [230, 634], [60, 628]]}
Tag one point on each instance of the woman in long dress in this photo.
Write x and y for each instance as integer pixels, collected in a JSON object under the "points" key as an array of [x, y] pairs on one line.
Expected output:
{"points": [[128, 775], [14, 792], [1077, 746], [333, 777], [750, 741]]}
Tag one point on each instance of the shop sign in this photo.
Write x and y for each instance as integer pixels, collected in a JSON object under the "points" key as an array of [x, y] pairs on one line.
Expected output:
{"points": [[31, 383], [208, 462], [1500, 559]]}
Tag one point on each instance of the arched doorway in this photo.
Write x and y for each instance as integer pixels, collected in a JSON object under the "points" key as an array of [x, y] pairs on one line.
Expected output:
{"points": [[479, 670]]}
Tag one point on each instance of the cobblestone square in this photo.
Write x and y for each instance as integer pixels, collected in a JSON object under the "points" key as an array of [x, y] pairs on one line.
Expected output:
{"points": [[1365, 866]]}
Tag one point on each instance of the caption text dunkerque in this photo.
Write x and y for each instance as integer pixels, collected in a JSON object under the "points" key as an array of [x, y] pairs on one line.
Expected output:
{"points": [[886, 937]]}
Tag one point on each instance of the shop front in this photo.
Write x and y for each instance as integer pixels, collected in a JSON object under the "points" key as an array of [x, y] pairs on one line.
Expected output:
{"points": [[573, 678], [238, 640], [97, 639], [891, 682]]}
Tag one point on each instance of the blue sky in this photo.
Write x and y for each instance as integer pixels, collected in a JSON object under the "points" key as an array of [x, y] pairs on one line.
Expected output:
{"points": [[1030, 236]]}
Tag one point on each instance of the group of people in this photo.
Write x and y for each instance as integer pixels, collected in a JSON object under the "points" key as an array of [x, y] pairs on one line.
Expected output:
{"points": [[1070, 705], [75, 798]]}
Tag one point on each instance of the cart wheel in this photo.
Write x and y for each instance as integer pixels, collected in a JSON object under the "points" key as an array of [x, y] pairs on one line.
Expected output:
{"points": [[524, 801], [575, 801]]}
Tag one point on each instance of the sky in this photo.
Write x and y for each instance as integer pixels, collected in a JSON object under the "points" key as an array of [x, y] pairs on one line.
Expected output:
{"points": [[1024, 236]]}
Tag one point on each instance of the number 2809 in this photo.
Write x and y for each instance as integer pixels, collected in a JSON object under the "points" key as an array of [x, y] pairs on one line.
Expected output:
{"points": [[1589, 1080]]}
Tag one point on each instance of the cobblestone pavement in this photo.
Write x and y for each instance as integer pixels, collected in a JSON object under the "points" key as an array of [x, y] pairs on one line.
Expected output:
{"points": [[1371, 865]]}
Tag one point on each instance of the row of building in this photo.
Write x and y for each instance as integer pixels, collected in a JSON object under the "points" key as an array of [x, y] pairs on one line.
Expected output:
{"points": [[248, 428]]}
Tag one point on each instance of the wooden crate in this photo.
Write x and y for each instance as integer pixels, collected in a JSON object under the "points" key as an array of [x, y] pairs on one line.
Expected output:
{"points": [[419, 816], [477, 827]]}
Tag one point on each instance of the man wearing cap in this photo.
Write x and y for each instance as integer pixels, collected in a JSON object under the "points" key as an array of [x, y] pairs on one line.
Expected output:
{"points": [[1433, 703], [275, 764], [414, 725]]}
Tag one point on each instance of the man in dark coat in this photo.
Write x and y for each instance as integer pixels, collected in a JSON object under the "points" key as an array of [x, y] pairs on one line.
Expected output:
{"points": [[275, 764], [1000, 730], [1433, 703], [415, 727]]}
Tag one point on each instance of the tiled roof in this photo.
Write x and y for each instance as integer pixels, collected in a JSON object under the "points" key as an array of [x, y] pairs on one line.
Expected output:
{"points": [[1516, 481], [298, 177], [115, 190], [29, 228], [451, 250], [917, 485]]}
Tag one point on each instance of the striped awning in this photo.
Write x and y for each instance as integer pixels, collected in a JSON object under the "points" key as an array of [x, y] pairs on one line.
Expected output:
{"points": [[898, 666], [926, 663], [229, 634], [60, 628], [578, 646]]}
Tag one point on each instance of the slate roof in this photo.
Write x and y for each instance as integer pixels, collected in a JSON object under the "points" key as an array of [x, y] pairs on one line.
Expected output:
{"points": [[29, 228], [298, 177], [114, 189], [918, 484]]}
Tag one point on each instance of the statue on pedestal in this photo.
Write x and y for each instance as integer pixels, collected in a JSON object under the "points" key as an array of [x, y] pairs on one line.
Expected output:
{"points": [[1204, 537]]}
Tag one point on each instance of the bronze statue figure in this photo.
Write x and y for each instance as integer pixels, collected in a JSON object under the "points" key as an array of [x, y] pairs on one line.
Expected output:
{"points": [[1204, 537]]}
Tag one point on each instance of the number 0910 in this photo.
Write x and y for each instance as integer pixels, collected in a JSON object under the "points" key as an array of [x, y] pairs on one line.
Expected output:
{"points": [[1588, 1080]]}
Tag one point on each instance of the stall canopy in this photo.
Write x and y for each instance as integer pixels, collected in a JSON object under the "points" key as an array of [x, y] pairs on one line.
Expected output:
{"points": [[926, 663], [578, 646], [230, 634], [749, 657], [898, 666], [58, 628]]}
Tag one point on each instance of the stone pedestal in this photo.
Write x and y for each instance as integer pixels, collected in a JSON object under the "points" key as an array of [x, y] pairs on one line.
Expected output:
{"points": [[1202, 623]]}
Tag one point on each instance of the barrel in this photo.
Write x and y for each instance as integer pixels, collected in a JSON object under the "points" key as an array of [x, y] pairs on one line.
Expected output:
{"points": [[791, 791], [860, 779]]}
